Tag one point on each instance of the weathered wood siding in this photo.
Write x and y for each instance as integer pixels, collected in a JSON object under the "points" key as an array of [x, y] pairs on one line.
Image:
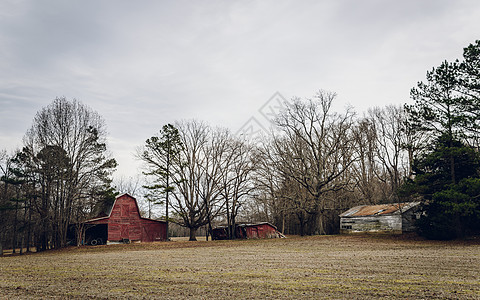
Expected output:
{"points": [[393, 217], [408, 220], [391, 223]]}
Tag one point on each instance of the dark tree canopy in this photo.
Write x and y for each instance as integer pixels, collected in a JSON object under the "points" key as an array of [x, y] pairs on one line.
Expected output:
{"points": [[452, 209], [66, 165], [447, 178]]}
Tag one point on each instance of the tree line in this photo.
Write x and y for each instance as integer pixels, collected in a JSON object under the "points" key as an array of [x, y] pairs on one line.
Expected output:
{"points": [[314, 164], [63, 169]]}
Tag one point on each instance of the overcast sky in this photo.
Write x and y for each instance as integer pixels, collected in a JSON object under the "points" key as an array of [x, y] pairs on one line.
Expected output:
{"points": [[142, 64]]}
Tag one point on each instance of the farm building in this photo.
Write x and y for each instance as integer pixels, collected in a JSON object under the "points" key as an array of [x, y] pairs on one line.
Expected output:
{"points": [[394, 218], [263, 230], [121, 221]]}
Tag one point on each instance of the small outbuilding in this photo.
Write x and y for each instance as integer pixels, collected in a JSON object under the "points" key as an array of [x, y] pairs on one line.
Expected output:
{"points": [[121, 221], [387, 218], [263, 230]]}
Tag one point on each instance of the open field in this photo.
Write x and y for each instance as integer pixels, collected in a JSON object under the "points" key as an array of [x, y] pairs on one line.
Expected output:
{"points": [[330, 267]]}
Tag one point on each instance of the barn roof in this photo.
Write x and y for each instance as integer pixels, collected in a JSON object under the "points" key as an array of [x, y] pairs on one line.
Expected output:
{"points": [[262, 223], [247, 225], [104, 210], [378, 210]]}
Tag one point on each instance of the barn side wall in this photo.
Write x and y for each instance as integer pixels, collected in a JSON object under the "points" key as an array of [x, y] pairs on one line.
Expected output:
{"points": [[153, 231], [261, 231], [391, 223]]}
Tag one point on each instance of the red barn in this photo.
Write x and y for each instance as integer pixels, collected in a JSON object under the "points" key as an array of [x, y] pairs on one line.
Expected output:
{"points": [[263, 230], [121, 221]]}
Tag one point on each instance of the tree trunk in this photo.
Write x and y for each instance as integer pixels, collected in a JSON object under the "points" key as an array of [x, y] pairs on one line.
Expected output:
{"points": [[302, 223], [232, 228], [22, 244], [29, 232], [193, 232], [227, 207], [452, 158], [80, 233], [321, 224], [14, 242], [209, 226]]}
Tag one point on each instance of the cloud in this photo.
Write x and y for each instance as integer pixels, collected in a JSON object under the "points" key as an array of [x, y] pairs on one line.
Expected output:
{"points": [[144, 64]]}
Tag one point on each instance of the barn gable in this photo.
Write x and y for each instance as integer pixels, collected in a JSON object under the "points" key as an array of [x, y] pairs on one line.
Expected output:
{"points": [[124, 222], [395, 218], [124, 205]]}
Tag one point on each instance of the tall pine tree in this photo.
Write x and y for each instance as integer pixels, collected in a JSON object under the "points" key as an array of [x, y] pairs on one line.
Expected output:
{"points": [[447, 179]]}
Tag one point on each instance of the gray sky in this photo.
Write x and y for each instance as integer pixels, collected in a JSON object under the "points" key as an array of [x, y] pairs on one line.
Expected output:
{"points": [[142, 64]]}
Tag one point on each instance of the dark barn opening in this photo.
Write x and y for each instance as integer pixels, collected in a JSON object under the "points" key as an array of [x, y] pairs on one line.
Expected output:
{"points": [[96, 234]]}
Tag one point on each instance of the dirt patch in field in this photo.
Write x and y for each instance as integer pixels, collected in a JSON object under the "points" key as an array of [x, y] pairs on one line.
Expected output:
{"points": [[329, 267]]}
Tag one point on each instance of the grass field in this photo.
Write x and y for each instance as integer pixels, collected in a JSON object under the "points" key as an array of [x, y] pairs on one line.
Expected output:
{"points": [[329, 267]]}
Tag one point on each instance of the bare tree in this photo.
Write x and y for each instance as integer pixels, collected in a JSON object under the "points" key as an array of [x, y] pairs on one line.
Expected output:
{"points": [[212, 166], [365, 172], [315, 148], [196, 175], [385, 151], [131, 185], [191, 168], [237, 185], [268, 182], [389, 124]]}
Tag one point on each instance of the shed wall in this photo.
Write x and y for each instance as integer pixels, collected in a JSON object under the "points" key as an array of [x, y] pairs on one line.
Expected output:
{"points": [[409, 219], [249, 231], [261, 231], [391, 223]]}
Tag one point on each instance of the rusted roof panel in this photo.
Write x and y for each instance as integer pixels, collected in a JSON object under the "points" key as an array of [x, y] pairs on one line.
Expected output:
{"points": [[377, 210]]}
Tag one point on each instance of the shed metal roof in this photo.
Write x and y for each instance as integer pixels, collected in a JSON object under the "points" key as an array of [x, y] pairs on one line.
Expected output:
{"points": [[377, 210]]}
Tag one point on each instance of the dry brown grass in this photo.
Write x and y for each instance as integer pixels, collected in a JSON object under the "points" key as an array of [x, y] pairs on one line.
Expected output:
{"points": [[330, 267]]}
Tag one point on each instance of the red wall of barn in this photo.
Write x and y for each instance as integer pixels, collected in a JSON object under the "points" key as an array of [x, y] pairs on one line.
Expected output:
{"points": [[260, 231], [153, 231], [125, 223]]}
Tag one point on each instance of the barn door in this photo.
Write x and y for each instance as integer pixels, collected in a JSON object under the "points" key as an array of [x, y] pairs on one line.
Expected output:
{"points": [[124, 232], [254, 232], [147, 235]]}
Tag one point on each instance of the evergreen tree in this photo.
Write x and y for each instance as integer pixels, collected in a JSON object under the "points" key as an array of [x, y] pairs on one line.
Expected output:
{"points": [[451, 209], [447, 108], [469, 87], [160, 154]]}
